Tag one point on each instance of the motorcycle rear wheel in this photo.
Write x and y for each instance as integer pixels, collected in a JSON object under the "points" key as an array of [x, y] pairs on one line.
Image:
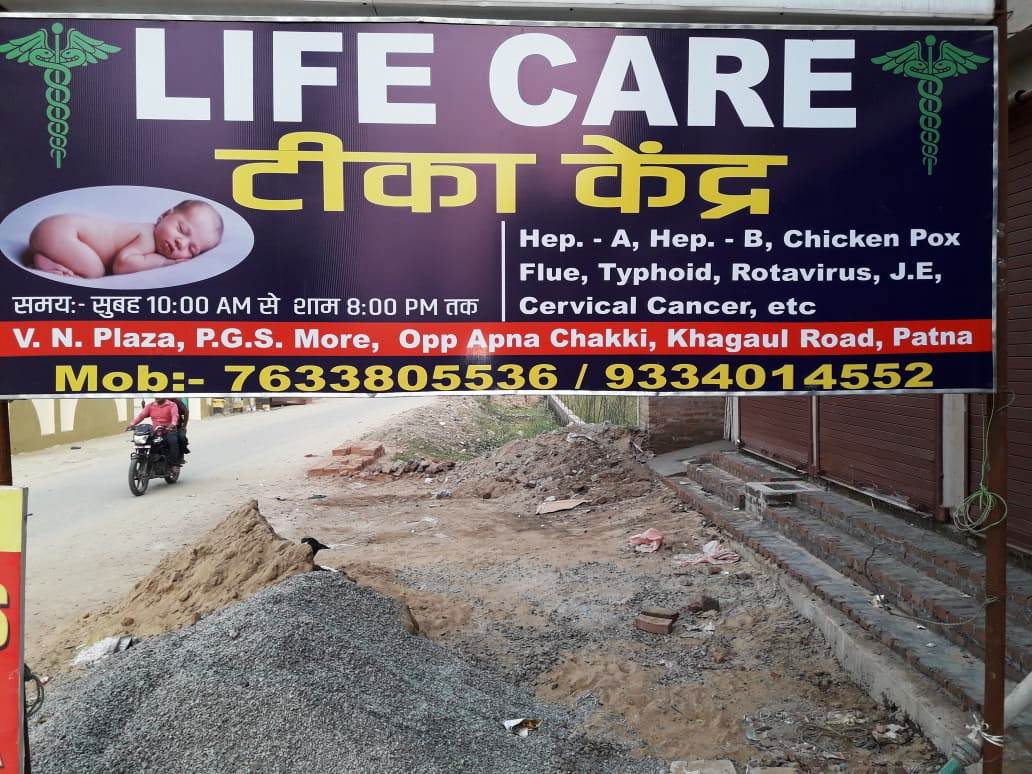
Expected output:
{"points": [[172, 476], [138, 477]]}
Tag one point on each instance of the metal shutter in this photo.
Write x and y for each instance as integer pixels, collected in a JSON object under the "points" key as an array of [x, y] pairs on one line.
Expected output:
{"points": [[778, 427], [890, 444]]}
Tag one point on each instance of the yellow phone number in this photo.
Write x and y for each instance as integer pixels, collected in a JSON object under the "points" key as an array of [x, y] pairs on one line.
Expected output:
{"points": [[384, 378], [452, 377], [750, 376]]}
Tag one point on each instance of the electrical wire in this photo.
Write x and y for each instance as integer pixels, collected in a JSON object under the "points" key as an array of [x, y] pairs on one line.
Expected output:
{"points": [[982, 728], [976, 510], [32, 707]]}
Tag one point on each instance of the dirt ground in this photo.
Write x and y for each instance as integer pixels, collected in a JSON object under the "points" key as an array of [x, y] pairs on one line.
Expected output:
{"points": [[549, 601]]}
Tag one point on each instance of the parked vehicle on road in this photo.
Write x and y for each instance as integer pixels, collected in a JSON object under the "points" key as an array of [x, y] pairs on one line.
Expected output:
{"points": [[150, 458]]}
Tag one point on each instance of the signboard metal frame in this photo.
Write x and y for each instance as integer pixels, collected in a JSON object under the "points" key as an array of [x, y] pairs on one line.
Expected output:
{"points": [[573, 23]]}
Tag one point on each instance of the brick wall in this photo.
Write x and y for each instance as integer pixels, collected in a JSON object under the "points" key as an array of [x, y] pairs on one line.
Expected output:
{"points": [[677, 422]]}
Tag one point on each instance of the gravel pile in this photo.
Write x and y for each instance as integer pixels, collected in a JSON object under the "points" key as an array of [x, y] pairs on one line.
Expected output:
{"points": [[314, 674]]}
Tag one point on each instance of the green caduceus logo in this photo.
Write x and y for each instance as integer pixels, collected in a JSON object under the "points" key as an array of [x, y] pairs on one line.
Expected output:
{"points": [[930, 70], [57, 63]]}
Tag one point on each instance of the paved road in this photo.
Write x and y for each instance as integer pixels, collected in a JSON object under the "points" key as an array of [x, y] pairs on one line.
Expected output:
{"points": [[90, 540]]}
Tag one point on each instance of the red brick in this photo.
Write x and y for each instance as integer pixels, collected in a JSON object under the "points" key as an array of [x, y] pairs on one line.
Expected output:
{"points": [[368, 450], [652, 625], [329, 469], [353, 463], [660, 612]]}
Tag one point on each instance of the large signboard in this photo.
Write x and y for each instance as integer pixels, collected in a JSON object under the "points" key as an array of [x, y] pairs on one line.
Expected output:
{"points": [[12, 541], [216, 206]]}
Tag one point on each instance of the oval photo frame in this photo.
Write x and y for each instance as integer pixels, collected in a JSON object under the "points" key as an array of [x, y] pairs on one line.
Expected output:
{"points": [[129, 203]]}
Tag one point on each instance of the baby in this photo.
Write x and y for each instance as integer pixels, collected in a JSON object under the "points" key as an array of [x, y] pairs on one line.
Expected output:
{"points": [[90, 247]]}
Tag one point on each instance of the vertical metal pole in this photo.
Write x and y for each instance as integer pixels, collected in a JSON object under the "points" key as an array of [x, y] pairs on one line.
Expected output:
{"points": [[996, 534]]}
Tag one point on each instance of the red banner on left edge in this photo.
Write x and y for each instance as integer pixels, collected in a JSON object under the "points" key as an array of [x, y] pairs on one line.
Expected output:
{"points": [[12, 577]]}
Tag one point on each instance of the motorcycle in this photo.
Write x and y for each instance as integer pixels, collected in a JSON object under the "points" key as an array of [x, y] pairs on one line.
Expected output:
{"points": [[150, 458]]}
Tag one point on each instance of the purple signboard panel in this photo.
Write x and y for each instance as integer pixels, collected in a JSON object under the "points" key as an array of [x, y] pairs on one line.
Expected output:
{"points": [[218, 206]]}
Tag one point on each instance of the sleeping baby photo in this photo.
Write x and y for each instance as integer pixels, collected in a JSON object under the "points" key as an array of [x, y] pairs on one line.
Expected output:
{"points": [[89, 246], [123, 237]]}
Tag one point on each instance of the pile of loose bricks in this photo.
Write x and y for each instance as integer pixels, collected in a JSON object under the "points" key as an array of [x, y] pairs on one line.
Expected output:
{"points": [[348, 459]]}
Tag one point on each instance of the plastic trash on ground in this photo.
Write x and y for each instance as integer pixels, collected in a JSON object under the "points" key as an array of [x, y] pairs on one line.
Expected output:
{"points": [[551, 506], [521, 726], [891, 733], [106, 647], [648, 541], [714, 552]]}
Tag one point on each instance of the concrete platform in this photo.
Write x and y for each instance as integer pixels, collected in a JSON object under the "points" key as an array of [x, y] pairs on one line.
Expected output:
{"points": [[920, 647], [672, 463]]}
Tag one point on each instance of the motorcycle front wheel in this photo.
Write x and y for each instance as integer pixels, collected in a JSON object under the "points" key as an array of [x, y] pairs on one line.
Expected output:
{"points": [[138, 477]]}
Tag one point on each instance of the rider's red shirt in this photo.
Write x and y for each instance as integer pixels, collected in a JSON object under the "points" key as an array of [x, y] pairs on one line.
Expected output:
{"points": [[166, 414]]}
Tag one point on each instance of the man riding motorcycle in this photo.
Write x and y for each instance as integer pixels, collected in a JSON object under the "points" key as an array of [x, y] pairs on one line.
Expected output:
{"points": [[164, 413]]}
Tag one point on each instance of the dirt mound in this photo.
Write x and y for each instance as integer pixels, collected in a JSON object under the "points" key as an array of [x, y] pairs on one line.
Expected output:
{"points": [[238, 557], [562, 463], [460, 427]]}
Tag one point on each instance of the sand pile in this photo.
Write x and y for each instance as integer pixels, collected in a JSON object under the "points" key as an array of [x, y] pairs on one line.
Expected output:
{"points": [[595, 461], [238, 557]]}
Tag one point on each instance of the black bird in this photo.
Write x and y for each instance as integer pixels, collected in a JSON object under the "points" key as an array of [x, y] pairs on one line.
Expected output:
{"points": [[316, 547]]}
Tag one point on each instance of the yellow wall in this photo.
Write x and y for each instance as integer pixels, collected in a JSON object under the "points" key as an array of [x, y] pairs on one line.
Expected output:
{"points": [[42, 422], [37, 424]]}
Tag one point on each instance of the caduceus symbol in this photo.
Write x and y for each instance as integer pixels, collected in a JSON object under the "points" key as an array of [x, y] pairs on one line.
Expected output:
{"points": [[931, 71], [57, 63]]}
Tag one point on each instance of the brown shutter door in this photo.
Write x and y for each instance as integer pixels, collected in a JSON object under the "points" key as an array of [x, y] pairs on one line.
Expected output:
{"points": [[777, 427], [890, 444], [1019, 336]]}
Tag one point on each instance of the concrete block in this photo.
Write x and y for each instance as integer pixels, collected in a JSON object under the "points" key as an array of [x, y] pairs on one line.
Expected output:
{"points": [[772, 494]]}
